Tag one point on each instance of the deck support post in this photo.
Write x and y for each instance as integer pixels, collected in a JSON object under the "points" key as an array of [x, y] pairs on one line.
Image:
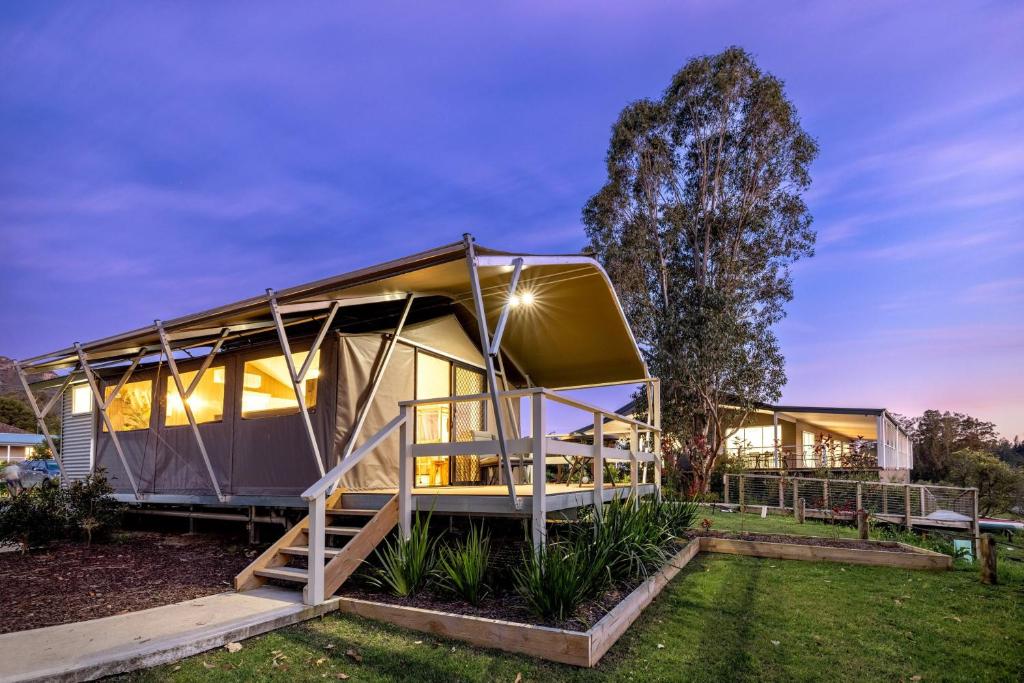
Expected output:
{"points": [[298, 377], [775, 437], [185, 393], [490, 350], [104, 403], [314, 591], [598, 463], [634, 465], [378, 376], [406, 464], [539, 498], [41, 413], [906, 506]]}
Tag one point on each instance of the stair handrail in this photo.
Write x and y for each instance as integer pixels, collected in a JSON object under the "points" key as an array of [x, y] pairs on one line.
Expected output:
{"points": [[326, 483]]}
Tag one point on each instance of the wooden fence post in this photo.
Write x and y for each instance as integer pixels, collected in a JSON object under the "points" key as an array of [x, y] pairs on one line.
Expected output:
{"points": [[906, 506], [862, 524], [860, 496], [725, 487], [824, 496], [976, 527], [796, 494], [800, 510], [743, 508], [987, 558], [782, 494]]}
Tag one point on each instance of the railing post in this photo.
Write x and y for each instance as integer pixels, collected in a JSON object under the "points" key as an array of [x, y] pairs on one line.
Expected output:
{"points": [[782, 493], [924, 509], [539, 498], [725, 488], [656, 417], [906, 506], [634, 466], [598, 462], [314, 592], [406, 465], [796, 494]]}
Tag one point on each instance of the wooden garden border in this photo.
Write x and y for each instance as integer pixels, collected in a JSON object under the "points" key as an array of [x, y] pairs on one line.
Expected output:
{"points": [[913, 558], [585, 648]]}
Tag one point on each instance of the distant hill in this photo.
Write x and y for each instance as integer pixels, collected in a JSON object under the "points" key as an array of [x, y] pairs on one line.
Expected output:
{"points": [[10, 385]]}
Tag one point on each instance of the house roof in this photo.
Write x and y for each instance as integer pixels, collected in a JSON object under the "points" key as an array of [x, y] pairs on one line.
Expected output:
{"points": [[574, 334], [15, 436]]}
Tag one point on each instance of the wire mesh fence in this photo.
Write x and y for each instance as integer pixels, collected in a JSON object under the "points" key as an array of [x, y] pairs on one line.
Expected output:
{"points": [[910, 503]]}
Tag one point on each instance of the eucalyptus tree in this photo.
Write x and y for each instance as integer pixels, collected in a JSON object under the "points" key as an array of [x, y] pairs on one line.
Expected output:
{"points": [[698, 224]]}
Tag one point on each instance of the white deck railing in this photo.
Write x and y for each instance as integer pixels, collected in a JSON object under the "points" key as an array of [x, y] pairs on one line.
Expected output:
{"points": [[535, 448]]}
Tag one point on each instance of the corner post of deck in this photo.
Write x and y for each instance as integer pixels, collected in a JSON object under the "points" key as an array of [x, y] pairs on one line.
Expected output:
{"points": [[598, 450], [314, 592], [539, 499], [634, 465], [656, 422], [405, 473]]}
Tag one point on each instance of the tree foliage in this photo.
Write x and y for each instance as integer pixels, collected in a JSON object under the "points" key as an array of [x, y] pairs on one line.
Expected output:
{"points": [[1000, 486], [937, 435], [697, 225]]}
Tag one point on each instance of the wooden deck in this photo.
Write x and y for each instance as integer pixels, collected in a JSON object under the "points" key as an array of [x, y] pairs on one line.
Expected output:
{"points": [[493, 500]]}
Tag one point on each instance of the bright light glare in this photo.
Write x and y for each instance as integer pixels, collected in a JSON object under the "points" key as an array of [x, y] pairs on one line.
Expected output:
{"points": [[514, 300], [527, 298]]}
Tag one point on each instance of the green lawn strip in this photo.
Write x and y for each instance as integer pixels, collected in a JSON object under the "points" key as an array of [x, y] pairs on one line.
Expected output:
{"points": [[717, 621], [774, 524]]}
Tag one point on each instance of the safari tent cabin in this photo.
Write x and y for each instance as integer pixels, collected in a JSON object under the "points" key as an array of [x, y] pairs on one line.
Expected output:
{"points": [[281, 388]]}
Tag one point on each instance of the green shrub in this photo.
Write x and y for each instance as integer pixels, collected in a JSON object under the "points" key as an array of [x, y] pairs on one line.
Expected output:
{"points": [[91, 509], [556, 578], [632, 536], [34, 517], [462, 569], [680, 515], [405, 564]]}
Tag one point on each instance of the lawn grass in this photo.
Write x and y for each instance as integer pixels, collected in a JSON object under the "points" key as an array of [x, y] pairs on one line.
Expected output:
{"points": [[722, 618]]}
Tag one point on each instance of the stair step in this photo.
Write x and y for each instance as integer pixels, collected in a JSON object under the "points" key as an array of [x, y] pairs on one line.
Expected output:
{"points": [[362, 512], [296, 574], [303, 551], [343, 530]]}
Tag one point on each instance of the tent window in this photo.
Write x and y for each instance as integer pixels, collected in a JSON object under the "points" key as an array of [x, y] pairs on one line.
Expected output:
{"points": [[81, 399], [267, 388], [207, 401], [132, 407]]}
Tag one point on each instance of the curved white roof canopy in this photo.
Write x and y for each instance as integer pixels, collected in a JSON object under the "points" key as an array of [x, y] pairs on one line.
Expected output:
{"points": [[573, 333]]}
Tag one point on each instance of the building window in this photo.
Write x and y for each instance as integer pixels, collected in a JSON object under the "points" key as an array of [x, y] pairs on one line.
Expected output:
{"points": [[267, 387], [81, 399], [132, 407], [206, 402]]}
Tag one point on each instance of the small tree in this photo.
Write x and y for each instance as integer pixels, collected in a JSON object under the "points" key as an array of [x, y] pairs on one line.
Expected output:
{"points": [[91, 509], [999, 486]]}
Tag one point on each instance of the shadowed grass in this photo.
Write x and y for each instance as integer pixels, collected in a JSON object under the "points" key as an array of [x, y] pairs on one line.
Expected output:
{"points": [[720, 619]]}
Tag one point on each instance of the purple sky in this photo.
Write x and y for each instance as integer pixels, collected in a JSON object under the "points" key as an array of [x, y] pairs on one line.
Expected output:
{"points": [[162, 158]]}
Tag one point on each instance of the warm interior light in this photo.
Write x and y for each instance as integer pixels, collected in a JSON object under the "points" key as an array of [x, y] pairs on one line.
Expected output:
{"points": [[218, 375], [514, 300], [252, 380], [523, 299], [526, 298]]}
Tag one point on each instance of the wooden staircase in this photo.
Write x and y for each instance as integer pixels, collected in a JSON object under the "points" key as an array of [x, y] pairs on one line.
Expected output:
{"points": [[360, 530]]}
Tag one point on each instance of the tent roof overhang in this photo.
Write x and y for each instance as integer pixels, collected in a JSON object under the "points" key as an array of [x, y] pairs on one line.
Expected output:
{"points": [[574, 333]]}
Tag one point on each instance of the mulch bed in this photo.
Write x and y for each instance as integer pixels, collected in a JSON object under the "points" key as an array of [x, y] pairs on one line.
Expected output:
{"points": [[70, 581], [854, 543]]}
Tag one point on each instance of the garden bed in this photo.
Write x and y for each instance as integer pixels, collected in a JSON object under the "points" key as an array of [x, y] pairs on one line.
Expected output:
{"points": [[524, 635], [818, 548], [70, 581]]}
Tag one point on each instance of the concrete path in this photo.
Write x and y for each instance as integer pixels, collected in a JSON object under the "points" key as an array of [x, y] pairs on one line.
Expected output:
{"points": [[87, 650]]}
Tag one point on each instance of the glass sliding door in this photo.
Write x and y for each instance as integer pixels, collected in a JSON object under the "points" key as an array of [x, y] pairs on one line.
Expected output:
{"points": [[433, 420], [445, 422]]}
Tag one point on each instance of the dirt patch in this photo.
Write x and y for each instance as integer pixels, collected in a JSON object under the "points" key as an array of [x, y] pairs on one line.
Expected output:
{"points": [[853, 543], [71, 582]]}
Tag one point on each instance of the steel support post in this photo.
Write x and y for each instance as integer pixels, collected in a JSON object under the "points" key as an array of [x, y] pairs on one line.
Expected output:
{"points": [[185, 393]]}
